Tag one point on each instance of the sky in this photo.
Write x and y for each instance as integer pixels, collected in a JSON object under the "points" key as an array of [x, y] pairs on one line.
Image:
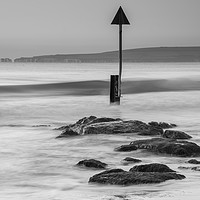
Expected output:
{"points": [[41, 27]]}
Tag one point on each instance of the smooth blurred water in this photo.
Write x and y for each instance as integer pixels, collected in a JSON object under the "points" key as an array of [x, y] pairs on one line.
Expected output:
{"points": [[34, 73], [34, 165]]}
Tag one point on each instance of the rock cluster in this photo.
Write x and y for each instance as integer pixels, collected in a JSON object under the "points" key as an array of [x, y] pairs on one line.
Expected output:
{"points": [[104, 125], [140, 175], [164, 146], [171, 142]]}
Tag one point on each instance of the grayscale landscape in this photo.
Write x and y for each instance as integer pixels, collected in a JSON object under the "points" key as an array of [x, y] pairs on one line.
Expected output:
{"points": [[71, 131]]}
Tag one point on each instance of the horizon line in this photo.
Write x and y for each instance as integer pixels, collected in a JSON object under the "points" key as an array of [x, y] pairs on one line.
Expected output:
{"points": [[109, 51]]}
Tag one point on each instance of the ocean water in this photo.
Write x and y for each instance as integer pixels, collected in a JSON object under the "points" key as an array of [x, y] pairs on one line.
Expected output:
{"points": [[36, 98]]}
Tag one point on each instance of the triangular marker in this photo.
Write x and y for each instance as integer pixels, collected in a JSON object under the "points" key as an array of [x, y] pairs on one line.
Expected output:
{"points": [[120, 17]]}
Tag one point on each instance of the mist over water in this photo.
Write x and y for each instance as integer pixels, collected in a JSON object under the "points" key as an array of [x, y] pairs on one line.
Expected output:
{"points": [[34, 165]]}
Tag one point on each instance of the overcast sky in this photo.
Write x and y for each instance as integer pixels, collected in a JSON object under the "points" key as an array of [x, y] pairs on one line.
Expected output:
{"points": [[35, 27]]}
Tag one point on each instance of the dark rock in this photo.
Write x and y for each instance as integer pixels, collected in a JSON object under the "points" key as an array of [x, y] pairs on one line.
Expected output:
{"points": [[151, 131], [104, 125], [126, 148], [191, 168], [173, 134], [94, 125], [78, 127], [163, 125], [154, 167], [115, 127], [133, 160], [85, 120], [194, 161], [92, 163], [68, 132], [121, 177], [166, 146], [173, 125]]}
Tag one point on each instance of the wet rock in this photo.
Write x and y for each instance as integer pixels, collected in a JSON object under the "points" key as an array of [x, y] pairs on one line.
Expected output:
{"points": [[194, 161], [153, 167], [78, 128], [105, 125], [92, 163], [173, 134], [68, 132], [121, 177], [163, 125], [151, 131], [132, 160], [191, 168], [165, 146], [128, 147], [94, 125], [115, 127], [79, 124]]}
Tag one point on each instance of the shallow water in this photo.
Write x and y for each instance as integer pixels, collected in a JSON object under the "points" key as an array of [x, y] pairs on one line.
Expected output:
{"points": [[34, 165]]}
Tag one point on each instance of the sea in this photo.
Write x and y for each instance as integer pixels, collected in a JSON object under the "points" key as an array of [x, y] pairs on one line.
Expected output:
{"points": [[37, 98]]}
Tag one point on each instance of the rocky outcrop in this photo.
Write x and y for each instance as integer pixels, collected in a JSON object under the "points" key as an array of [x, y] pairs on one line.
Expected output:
{"points": [[154, 167], [174, 134], [121, 177], [194, 161], [94, 125], [92, 163], [166, 146], [115, 127], [79, 127]]}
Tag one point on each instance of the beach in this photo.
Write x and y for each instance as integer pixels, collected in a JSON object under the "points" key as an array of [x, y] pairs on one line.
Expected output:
{"points": [[37, 98]]}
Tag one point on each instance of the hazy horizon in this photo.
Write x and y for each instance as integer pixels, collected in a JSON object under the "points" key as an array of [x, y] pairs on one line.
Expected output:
{"points": [[101, 52], [49, 27]]}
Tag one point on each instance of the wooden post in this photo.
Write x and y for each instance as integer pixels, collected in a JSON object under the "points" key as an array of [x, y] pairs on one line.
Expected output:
{"points": [[120, 19], [114, 89], [120, 59], [116, 81]]}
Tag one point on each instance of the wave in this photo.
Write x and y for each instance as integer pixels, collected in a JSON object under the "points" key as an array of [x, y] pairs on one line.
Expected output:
{"points": [[97, 87]]}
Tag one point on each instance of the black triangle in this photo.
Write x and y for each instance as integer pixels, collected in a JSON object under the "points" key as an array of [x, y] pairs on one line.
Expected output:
{"points": [[120, 17]]}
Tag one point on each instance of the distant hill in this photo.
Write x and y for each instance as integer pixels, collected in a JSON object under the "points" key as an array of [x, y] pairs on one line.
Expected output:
{"points": [[156, 54]]}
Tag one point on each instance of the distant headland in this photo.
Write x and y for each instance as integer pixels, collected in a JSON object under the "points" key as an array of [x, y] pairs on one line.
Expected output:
{"points": [[154, 54]]}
